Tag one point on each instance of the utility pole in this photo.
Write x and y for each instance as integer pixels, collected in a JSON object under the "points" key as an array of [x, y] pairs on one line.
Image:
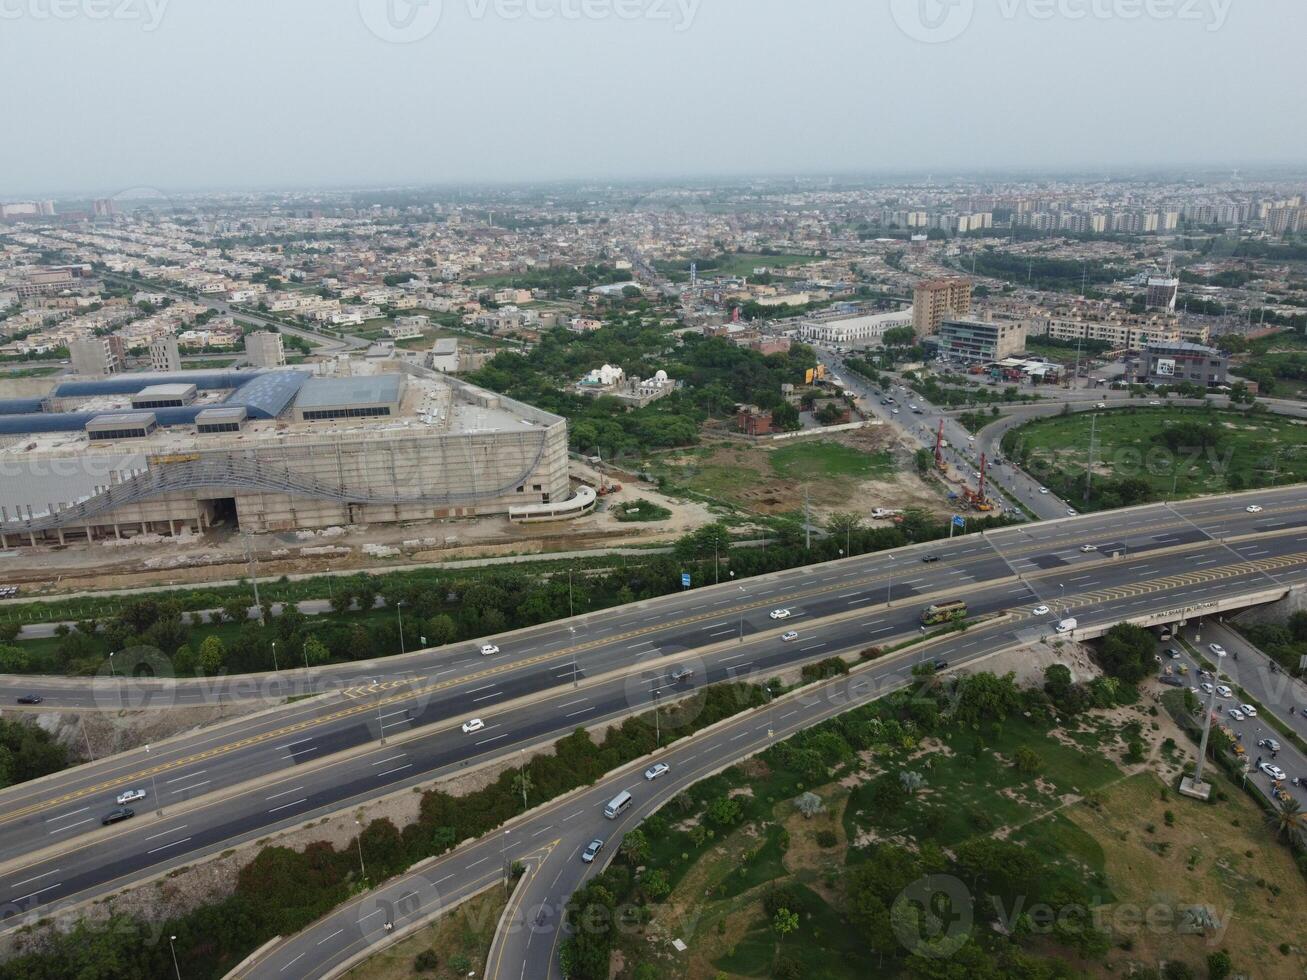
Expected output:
{"points": [[254, 573], [1089, 470], [807, 520]]}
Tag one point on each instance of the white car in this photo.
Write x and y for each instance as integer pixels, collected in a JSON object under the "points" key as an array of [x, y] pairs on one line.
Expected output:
{"points": [[789, 637], [1249, 710], [1207, 688], [1154, 404], [1269, 743], [489, 650], [1101, 405], [1072, 512], [1272, 770], [780, 614], [1253, 509], [131, 796], [1217, 649], [1088, 549], [1043, 489], [592, 851], [1236, 714], [475, 725], [1223, 691], [1039, 611], [653, 772]]}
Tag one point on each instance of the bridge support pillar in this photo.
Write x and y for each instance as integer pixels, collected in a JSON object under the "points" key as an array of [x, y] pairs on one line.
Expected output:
{"points": [[31, 536], [3, 542], [117, 531], [61, 536]]}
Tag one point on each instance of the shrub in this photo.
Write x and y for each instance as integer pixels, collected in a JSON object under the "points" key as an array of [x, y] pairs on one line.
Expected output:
{"points": [[426, 961]]}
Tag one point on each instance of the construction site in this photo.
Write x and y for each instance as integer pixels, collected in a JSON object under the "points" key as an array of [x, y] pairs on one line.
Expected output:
{"points": [[144, 455]]}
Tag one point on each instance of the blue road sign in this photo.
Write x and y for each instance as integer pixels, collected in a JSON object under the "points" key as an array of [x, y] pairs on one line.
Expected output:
{"points": [[685, 580], [959, 520]]}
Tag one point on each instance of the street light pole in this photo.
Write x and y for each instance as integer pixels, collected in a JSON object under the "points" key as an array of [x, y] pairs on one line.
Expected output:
{"points": [[111, 671], [399, 612], [658, 732], [522, 756], [154, 788], [363, 871], [275, 668], [175, 968]]}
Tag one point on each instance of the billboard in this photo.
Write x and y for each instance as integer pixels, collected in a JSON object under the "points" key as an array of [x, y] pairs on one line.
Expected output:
{"points": [[1165, 367]]}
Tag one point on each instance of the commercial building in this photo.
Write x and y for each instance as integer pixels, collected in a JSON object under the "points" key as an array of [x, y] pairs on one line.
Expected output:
{"points": [[1180, 362], [98, 356], [165, 356], [857, 331], [981, 341], [274, 451], [936, 300], [264, 349]]}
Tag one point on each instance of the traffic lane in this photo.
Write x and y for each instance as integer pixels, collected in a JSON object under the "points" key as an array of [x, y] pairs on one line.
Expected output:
{"points": [[1250, 668], [1251, 733]]}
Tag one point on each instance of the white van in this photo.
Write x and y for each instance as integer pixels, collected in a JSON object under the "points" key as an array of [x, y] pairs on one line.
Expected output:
{"points": [[618, 804], [1067, 625]]}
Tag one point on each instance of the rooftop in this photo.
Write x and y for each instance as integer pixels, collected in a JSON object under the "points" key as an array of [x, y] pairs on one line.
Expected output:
{"points": [[381, 389]]}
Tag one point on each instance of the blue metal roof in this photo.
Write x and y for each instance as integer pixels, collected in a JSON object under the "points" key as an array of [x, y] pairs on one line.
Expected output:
{"points": [[268, 395], [20, 406], [131, 384]]}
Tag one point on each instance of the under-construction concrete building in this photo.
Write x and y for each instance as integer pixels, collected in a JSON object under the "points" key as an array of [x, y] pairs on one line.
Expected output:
{"points": [[273, 450]]}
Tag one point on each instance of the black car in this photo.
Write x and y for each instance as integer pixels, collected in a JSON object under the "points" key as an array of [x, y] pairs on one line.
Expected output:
{"points": [[31, 699], [941, 665], [118, 815], [930, 559]]}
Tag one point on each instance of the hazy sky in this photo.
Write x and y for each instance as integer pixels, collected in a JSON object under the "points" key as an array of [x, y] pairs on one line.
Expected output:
{"points": [[181, 94]]}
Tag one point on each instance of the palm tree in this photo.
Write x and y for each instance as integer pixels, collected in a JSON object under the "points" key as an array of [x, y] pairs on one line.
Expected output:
{"points": [[1288, 820]]}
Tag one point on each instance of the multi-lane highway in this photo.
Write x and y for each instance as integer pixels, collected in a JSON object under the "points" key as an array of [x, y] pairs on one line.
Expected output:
{"points": [[549, 841], [251, 776]]}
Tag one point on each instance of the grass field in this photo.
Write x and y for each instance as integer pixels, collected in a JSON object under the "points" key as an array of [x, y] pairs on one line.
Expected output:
{"points": [[825, 460], [1244, 452], [1218, 856], [36, 372], [771, 481]]}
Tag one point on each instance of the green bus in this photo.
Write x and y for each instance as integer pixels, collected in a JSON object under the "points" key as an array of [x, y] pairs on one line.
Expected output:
{"points": [[944, 612]]}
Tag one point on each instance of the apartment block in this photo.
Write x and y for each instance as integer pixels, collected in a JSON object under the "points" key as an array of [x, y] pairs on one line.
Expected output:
{"points": [[936, 300], [97, 355], [165, 357], [265, 349]]}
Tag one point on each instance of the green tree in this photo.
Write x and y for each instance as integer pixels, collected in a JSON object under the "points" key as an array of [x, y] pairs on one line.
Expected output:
{"points": [[784, 923], [212, 656], [441, 630], [635, 847], [315, 652]]}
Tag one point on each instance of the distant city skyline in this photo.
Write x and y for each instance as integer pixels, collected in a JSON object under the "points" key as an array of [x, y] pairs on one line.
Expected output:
{"points": [[375, 93]]}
